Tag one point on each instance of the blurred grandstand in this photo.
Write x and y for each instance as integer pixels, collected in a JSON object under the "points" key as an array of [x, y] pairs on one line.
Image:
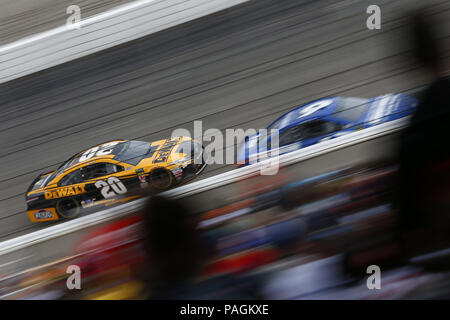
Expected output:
{"points": [[311, 238]]}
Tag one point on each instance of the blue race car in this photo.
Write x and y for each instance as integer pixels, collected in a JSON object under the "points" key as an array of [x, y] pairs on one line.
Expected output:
{"points": [[326, 119]]}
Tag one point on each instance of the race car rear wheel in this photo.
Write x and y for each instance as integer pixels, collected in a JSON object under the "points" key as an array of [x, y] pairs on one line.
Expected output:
{"points": [[161, 179], [68, 208]]}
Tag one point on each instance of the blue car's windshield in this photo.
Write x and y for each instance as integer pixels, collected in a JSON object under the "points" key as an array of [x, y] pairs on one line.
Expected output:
{"points": [[277, 124]]}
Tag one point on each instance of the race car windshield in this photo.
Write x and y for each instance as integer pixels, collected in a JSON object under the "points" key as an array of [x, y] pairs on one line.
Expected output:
{"points": [[63, 167], [60, 170], [132, 152], [43, 181], [277, 125]]}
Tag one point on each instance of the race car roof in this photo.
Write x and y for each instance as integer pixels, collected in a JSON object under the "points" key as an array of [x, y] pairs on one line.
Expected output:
{"points": [[130, 152], [346, 109], [303, 113], [91, 153]]}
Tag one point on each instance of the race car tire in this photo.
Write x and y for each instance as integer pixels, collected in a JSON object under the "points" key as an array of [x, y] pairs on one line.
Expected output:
{"points": [[68, 208], [161, 179]]}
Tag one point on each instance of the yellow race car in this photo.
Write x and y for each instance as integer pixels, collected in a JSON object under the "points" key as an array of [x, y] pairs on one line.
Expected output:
{"points": [[111, 171]]}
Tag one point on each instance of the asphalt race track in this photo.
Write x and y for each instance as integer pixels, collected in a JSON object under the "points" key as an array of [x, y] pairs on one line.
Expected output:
{"points": [[240, 68]]}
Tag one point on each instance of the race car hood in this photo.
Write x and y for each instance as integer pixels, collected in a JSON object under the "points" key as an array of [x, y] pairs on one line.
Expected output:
{"points": [[39, 182]]}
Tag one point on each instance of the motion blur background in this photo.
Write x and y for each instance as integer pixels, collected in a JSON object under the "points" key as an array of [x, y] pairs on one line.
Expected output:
{"points": [[309, 232]]}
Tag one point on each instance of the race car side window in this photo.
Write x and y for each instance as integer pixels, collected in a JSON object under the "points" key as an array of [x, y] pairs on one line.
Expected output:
{"points": [[320, 128], [291, 135], [98, 170], [73, 177], [308, 130]]}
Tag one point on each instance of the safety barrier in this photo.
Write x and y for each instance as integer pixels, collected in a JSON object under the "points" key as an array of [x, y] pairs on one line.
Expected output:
{"points": [[111, 28]]}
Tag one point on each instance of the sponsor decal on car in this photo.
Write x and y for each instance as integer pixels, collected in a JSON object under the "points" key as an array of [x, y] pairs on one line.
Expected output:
{"points": [[88, 203], [142, 179], [177, 172], [43, 214], [65, 192]]}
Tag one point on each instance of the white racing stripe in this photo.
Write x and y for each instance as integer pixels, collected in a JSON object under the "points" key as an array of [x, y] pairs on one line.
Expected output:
{"points": [[68, 227], [111, 28]]}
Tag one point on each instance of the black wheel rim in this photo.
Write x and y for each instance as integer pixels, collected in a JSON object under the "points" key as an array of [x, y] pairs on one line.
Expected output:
{"points": [[161, 179], [68, 208]]}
